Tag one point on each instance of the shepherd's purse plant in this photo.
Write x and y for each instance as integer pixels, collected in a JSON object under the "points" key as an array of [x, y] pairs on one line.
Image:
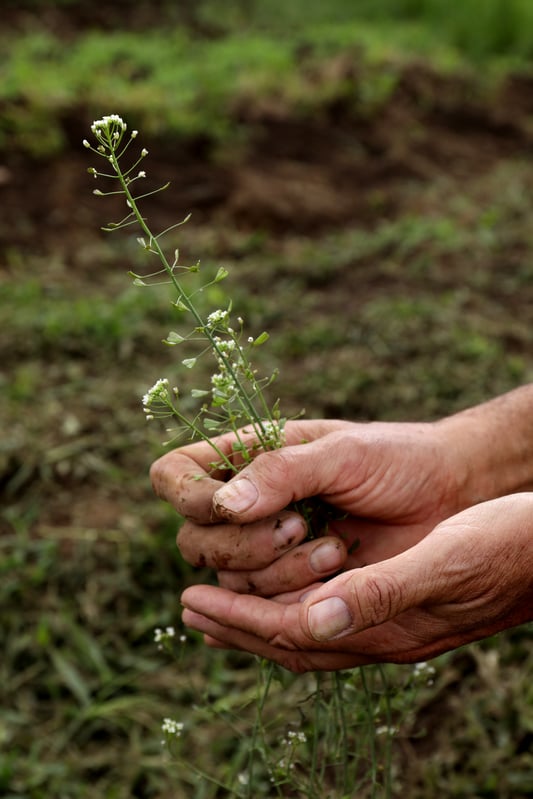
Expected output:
{"points": [[340, 737]]}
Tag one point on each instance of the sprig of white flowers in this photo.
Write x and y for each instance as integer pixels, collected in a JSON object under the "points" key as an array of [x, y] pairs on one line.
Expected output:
{"points": [[235, 399]]}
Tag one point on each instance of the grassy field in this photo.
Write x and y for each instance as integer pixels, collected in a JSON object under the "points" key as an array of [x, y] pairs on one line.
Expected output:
{"points": [[363, 171]]}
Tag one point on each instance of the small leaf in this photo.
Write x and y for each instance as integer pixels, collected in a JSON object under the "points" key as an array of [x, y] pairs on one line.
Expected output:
{"points": [[221, 275], [180, 305]]}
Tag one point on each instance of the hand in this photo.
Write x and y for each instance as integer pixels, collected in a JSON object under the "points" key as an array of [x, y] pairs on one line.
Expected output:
{"points": [[468, 578], [394, 481]]}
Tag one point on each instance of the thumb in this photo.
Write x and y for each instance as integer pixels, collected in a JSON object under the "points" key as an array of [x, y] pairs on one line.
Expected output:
{"points": [[275, 479], [362, 598]]}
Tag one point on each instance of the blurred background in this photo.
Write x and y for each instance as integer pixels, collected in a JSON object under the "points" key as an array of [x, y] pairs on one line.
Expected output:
{"points": [[364, 171]]}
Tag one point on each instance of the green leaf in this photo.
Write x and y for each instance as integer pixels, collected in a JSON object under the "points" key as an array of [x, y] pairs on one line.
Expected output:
{"points": [[199, 392], [189, 362], [220, 275], [71, 677]]}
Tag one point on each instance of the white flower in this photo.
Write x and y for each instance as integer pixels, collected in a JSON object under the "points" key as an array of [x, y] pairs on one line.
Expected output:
{"points": [[218, 317], [223, 386], [158, 393], [171, 727], [385, 730], [274, 432], [296, 737], [108, 122], [423, 669], [163, 636], [225, 347]]}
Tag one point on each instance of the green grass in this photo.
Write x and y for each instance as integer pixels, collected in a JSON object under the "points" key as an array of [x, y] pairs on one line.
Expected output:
{"points": [[409, 315], [174, 84]]}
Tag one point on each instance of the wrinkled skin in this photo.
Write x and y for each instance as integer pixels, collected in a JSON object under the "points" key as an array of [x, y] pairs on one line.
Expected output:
{"points": [[415, 573], [394, 482], [468, 578]]}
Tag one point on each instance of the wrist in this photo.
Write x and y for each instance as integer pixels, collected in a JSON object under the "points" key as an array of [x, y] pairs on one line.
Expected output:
{"points": [[491, 447]]}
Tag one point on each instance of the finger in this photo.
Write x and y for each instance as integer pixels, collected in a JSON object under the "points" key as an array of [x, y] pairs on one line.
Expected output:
{"points": [[349, 603], [294, 570], [241, 547], [275, 479], [188, 476], [248, 614], [186, 484], [219, 637]]}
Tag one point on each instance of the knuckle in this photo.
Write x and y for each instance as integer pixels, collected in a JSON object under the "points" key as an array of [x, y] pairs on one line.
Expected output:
{"points": [[273, 468], [378, 598]]}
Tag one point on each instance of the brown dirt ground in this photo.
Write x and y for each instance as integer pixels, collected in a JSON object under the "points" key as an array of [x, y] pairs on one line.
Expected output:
{"points": [[296, 175]]}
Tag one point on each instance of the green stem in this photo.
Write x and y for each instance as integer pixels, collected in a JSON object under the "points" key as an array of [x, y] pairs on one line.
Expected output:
{"points": [[316, 731], [388, 745], [371, 730], [337, 681], [258, 725], [244, 400]]}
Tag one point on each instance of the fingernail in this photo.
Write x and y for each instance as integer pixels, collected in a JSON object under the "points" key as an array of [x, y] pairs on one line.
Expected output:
{"points": [[329, 618], [326, 557], [287, 532], [236, 496]]}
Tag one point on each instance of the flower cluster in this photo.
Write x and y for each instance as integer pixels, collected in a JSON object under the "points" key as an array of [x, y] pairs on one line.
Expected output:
{"points": [[172, 728], [217, 318], [287, 763], [165, 637], [423, 672], [295, 737], [158, 393]]}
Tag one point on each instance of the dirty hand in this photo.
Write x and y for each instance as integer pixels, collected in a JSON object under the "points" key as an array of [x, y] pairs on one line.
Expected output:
{"points": [[392, 481], [470, 577]]}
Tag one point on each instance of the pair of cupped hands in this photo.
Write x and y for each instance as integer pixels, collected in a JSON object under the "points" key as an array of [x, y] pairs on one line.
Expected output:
{"points": [[419, 561]]}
